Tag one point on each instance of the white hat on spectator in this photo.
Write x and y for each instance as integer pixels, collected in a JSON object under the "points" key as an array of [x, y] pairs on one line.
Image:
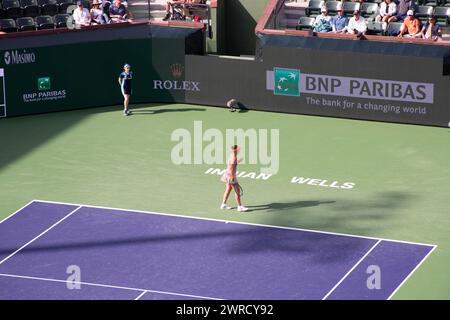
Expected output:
{"points": [[97, 2], [410, 13], [339, 6], [323, 9]]}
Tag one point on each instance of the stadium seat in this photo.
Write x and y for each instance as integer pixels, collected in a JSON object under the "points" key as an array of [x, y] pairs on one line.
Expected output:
{"points": [[373, 1], [305, 23], [313, 9], [332, 7], [423, 12], [374, 28], [48, 7], [25, 24], [64, 4], [445, 3], [433, 3], [2, 12], [442, 15], [61, 20], [393, 28], [8, 25], [30, 8], [44, 22], [349, 7], [12, 8], [369, 10]]}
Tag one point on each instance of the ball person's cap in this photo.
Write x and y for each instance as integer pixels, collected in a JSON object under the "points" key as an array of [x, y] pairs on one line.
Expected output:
{"points": [[126, 66]]}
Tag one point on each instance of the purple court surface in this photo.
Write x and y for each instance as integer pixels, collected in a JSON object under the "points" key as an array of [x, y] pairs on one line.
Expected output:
{"points": [[124, 254]]}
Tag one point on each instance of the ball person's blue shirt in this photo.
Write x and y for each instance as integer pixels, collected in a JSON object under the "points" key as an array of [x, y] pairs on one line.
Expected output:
{"points": [[126, 82]]}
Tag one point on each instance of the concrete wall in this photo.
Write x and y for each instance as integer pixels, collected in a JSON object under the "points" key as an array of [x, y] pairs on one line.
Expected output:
{"points": [[234, 23]]}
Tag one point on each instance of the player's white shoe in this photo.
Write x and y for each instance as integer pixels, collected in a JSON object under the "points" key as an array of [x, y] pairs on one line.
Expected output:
{"points": [[224, 206], [242, 209]]}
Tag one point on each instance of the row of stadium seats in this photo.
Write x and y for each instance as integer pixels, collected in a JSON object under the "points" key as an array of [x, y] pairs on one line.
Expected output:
{"points": [[32, 8], [31, 24], [314, 7], [306, 23], [369, 10], [433, 3]]}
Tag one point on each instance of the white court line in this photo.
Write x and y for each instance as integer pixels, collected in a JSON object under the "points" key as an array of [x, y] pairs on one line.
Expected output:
{"points": [[108, 286], [12, 214], [411, 273], [350, 271], [238, 222], [141, 295], [41, 234]]}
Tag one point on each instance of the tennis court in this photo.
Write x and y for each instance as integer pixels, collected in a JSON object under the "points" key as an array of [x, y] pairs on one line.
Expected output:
{"points": [[139, 226], [126, 254]]}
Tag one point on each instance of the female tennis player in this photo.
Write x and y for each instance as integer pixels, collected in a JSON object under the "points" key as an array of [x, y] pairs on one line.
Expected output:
{"points": [[230, 179], [125, 86]]}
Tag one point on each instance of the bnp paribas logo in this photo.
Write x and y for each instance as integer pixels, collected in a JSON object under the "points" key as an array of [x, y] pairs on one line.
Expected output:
{"points": [[286, 82], [44, 84]]}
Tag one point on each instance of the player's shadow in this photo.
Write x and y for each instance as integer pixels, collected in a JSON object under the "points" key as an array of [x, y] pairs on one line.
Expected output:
{"points": [[158, 111], [276, 206]]}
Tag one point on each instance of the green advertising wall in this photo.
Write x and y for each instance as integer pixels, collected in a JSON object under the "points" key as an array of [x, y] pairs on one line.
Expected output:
{"points": [[79, 75]]}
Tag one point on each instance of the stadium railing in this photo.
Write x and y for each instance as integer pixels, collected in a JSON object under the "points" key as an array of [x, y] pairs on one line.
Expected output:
{"points": [[268, 22], [203, 10]]}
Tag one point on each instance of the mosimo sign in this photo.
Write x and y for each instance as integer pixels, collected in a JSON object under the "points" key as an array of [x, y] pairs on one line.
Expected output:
{"points": [[18, 57]]}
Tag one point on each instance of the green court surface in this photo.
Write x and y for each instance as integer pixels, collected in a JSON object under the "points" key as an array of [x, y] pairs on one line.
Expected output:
{"points": [[99, 157]]}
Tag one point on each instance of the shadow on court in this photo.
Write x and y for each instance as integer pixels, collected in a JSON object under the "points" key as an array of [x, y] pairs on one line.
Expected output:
{"points": [[21, 135], [349, 216], [275, 206], [158, 111]]}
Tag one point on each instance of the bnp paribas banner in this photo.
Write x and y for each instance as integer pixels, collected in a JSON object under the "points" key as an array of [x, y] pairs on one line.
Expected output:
{"points": [[360, 85], [326, 83], [329, 91], [81, 75]]}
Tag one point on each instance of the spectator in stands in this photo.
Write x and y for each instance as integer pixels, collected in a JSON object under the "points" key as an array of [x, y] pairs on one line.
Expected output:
{"points": [[97, 14], [339, 22], [169, 8], [411, 26], [402, 8], [431, 30], [357, 24], [81, 15], [388, 8], [118, 12], [322, 22]]}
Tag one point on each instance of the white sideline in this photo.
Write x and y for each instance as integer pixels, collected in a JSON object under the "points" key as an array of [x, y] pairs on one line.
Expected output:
{"points": [[141, 295], [411, 273], [237, 222], [350, 271], [17, 211], [41, 234], [107, 286]]}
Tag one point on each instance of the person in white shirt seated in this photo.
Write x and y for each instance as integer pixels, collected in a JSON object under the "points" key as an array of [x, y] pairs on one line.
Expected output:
{"points": [[81, 15], [357, 24], [388, 9]]}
